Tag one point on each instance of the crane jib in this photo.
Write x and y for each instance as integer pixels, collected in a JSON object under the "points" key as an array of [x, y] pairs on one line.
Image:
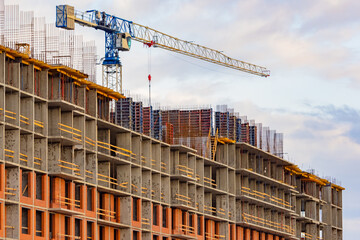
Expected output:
{"points": [[115, 41]]}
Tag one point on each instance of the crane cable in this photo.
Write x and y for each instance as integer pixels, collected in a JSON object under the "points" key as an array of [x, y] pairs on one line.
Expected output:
{"points": [[149, 76], [149, 45]]}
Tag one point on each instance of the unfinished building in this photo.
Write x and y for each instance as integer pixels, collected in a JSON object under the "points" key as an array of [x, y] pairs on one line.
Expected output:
{"points": [[69, 171]]}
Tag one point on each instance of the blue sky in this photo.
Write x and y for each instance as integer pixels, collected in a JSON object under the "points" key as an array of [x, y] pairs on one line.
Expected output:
{"points": [[311, 48]]}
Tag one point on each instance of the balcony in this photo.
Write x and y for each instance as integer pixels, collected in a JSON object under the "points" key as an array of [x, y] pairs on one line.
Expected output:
{"points": [[65, 205], [66, 134], [267, 225]]}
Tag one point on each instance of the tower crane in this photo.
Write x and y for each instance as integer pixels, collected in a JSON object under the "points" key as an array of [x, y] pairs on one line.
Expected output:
{"points": [[119, 33]]}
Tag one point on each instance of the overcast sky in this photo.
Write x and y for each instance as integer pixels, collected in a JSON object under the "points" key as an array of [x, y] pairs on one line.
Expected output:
{"points": [[311, 48]]}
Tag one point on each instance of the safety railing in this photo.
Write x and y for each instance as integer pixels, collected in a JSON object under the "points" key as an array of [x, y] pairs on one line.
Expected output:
{"points": [[74, 168], [248, 218], [37, 161], [23, 158], [70, 132], [143, 160], [305, 235], [145, 221], [163, 166], [112, 181], [144, 190], [39, 126], [89, 174], [68, 202], [182, 199], [214, 211], [185, 171], [122, 153], [213, 236], [10, 191], [66, 236], [90, 144], [210, 182], [106, 214], [24, 120], [10, 117], [266, 197], [187, 229], [134, 188], [9, 153], [197, 176], [153, 162]]}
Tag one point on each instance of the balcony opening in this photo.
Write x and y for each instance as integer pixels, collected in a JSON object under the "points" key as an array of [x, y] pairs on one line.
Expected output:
{"points": [[116, 234], [77, 228], [164, 217], [89, 230], [199, 225], [39, 186], [25, 184], [100, 205], [77, 196], [67, 228], [191, 223], [135, 209], [51, 181], [39, 223], [183, 219], [67, 191], [51, 226], [101, 232], [135, 235], [155, 215], [89, 199], [25, 214], [116, 199], [302, 213]]}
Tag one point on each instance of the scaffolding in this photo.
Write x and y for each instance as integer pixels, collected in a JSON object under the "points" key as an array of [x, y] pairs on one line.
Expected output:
{"points": [[45, 42]]}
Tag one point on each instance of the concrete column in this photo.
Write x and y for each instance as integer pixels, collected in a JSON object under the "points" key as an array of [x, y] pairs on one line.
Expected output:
{"points": [[2, 67]]}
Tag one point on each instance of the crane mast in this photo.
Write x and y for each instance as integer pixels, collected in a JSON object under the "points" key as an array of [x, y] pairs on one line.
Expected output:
{"points": [[119, 33]]}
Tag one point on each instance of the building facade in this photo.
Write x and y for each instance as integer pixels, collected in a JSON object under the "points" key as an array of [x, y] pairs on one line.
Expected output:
{"points": [[68, 172]]}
